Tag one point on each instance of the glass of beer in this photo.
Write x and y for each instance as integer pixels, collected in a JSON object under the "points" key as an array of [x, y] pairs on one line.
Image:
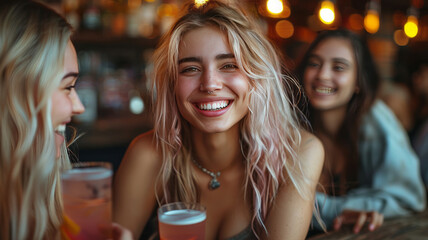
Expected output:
{"points": [[182, 221], [86, 191]]}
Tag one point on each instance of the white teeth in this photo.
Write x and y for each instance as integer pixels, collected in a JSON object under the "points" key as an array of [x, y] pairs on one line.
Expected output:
{"points": [[325, 90], [213, 106], [60, 128]]}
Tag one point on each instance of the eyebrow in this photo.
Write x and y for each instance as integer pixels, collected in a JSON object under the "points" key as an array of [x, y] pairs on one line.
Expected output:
{"points": [[224, 56], [189, 59], [71, 74], [340, 60], [198, 59]]}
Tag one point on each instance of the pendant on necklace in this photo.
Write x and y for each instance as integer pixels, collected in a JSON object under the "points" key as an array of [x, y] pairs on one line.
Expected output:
{"points": [[214, 184]]}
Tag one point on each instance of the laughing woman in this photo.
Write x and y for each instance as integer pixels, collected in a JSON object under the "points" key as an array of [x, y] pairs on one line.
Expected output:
{"points": [[38, 72], [370, 170], [221, 106]]}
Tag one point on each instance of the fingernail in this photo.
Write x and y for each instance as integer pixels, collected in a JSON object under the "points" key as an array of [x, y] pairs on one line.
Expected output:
{"points": [[371, 227]]}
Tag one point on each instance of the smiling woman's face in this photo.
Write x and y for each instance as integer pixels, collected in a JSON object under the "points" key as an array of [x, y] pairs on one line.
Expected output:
{"points": [[330, 77], [65, 101], [211, 91]]}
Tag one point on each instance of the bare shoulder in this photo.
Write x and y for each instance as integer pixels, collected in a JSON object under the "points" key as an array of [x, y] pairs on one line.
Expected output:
{"points": [[311, 153], [142, 152], [141, 161], [310, 142], [135, 184]]}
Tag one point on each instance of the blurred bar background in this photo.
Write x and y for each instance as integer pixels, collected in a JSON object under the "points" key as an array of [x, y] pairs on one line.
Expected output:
{"points": [[115, 40]]}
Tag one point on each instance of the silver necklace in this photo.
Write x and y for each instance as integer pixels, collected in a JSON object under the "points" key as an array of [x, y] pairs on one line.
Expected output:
{"points": [[214, 183]]}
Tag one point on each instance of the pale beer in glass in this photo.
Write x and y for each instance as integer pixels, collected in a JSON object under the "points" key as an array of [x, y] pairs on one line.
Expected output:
{"points": [[182, 221]]}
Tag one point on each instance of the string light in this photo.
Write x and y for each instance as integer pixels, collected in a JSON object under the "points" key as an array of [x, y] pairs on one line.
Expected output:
{"points": [[274, 6], [275, 9], [326, 12], [411, 26], [371, 20], [200, 3]]}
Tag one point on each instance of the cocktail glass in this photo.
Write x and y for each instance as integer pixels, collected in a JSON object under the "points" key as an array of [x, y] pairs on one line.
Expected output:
{"points": [[86, 191]]}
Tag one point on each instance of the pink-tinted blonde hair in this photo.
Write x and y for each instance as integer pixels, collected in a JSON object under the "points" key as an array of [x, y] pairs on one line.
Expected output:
{"points": [[270, 132]]}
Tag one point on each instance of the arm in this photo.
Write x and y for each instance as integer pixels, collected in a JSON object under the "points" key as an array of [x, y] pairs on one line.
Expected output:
{"points": [[291, 214], [134, 185]]}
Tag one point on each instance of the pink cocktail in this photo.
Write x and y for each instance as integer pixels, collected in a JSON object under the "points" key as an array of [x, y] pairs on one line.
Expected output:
{"points": [[87, 199]]}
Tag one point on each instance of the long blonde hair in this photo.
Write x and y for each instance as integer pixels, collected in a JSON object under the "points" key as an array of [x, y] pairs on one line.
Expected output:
{"points": [[269, 133], [33, 39]]}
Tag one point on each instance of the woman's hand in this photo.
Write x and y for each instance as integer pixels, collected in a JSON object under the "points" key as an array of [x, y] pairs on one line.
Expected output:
{"points": [[358, 219], [121, 233]]}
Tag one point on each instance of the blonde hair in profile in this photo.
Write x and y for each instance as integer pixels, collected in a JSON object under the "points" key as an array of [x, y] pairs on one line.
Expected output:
{"points": [[33, 39], [270, 133]]}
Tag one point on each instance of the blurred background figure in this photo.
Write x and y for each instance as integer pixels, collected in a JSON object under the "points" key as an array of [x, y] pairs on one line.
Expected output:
{"points": [[407, 96], [371, 171], [419, 133]]}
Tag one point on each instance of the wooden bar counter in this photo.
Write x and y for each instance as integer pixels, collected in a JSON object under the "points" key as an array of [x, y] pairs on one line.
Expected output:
{"points": [[413, 227]]}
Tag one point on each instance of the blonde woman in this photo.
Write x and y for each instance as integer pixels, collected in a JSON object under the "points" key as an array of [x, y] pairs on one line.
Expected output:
{"points": [[226, 134], [38, 72]]}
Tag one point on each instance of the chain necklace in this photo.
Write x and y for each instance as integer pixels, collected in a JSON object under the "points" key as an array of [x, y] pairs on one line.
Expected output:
{"points": [[214, 183]]}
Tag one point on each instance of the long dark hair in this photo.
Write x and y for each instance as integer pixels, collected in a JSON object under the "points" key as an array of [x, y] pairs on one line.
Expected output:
{"points": [[368, 82]]}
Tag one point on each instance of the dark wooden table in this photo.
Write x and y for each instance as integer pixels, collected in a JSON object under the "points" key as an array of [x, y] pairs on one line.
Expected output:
{"points": [[412, 227]]}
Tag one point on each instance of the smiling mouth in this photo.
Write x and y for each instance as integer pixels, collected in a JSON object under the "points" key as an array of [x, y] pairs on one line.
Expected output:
{"points": [[213, 106], [324, 90]]}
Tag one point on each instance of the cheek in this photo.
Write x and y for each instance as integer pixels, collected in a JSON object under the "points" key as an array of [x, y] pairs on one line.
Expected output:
{"points": [[239, 84], [61, 108], [183, 90], [307, 81], [308, 77], [348, 83]]}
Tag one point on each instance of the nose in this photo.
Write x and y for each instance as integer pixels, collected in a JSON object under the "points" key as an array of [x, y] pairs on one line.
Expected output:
{"points": [[210, 81], [77, 105], [324, 72]]}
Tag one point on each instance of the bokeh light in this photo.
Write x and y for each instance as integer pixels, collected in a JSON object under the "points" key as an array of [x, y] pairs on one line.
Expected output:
{"points": [[400, 38], [284, 29], [199, 3], [326, 13], [411, 27], [356, 21], [274, 6], [371, 21]]}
